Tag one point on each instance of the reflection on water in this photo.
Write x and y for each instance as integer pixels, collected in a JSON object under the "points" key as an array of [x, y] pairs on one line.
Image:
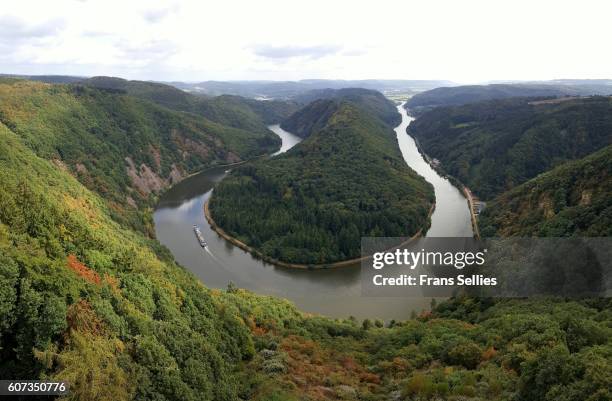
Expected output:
{"points": [[335, 292], [289, 140]]}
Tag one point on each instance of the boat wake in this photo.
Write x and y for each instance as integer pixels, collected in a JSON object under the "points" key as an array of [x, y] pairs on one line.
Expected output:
{"points": [[212, 255]]}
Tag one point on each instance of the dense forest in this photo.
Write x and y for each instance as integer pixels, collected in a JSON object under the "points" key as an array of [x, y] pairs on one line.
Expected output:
{"points": [[574, 199], [86, 298], [313, 204], [312, 118], [124, 148], [459, 95], [493, 146]]}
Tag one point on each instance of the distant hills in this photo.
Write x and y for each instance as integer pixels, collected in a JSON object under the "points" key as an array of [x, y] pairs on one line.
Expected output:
{"points": [[50, 79], [496, 145], [573, 199], [458, 95], [313, 204], [268, 89], [290, 89]]}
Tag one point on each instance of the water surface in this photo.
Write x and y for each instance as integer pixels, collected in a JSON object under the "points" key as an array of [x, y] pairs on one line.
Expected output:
{"points": [[334, 292]]}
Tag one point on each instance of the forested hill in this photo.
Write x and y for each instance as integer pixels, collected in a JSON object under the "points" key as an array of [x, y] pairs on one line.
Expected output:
{"points": [[311, 118], [458, 95], [125, 148], [572, 199], [313, 204], [322, 103], [234, 111], [496, 145]]}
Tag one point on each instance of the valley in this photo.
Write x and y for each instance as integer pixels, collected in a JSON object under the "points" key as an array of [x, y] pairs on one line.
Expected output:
{"points": [[89, 296], [305, 201], [338, 290]]}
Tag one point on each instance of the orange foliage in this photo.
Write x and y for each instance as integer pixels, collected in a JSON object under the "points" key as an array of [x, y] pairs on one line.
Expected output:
{"points": [[489, 353], [349, 363], [315, 368], [112, 281], [368, 377], [400, 364], [82, 270], [82, 318]]}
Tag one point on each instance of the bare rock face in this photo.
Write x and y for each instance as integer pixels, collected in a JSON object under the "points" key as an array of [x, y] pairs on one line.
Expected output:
{"points": [[231, 157], [60, 164], [80, 167], [130, 201], [175, 174], [146, 181], [189, 146], [585, 198]]}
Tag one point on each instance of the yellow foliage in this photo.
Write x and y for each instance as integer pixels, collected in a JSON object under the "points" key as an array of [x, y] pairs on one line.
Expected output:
{"points": [[90, 365]]}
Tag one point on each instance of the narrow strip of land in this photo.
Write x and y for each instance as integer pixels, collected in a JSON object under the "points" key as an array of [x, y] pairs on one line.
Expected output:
{"points": [[473, 208]]}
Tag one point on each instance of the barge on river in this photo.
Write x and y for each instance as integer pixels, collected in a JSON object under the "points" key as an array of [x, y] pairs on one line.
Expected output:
{"points": [[199, 236]]}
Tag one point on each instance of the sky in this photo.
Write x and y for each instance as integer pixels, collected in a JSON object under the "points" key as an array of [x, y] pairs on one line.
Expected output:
{"points": [[464, 41]]}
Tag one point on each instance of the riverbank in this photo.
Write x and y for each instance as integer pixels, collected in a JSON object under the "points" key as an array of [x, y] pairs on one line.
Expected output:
{"points": [[468, 195], [334, 292], [465, 191], [224, 165], [350, 262]]}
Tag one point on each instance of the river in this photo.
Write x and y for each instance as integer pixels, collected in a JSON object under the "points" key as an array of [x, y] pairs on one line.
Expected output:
{"points": [[331, 292]]}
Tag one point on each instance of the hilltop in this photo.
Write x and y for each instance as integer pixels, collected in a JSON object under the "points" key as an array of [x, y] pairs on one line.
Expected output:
{"points": [[370, 101], [233, 111], [312, 205], [459, 95]]}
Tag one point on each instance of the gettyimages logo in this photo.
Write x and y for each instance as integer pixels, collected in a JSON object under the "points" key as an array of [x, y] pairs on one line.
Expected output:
{"points": [[412, 259], [516, 267]]}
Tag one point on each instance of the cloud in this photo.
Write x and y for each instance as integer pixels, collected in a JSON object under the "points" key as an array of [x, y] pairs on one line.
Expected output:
{"points": [[154, 15], [13, 28], [287, 52]]}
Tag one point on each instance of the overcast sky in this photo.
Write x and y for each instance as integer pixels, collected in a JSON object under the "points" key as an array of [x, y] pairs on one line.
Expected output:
{"points": [[463, 41]]}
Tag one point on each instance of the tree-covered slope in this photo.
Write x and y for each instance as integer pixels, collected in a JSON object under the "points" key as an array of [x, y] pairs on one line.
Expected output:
{"points": [[494, 146], [320, 105], [125, 148], [314, 203], [459, 95], [233, 111], [248, 114], [370, 100], [572, 199], [165, 95], [85, 300]]}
